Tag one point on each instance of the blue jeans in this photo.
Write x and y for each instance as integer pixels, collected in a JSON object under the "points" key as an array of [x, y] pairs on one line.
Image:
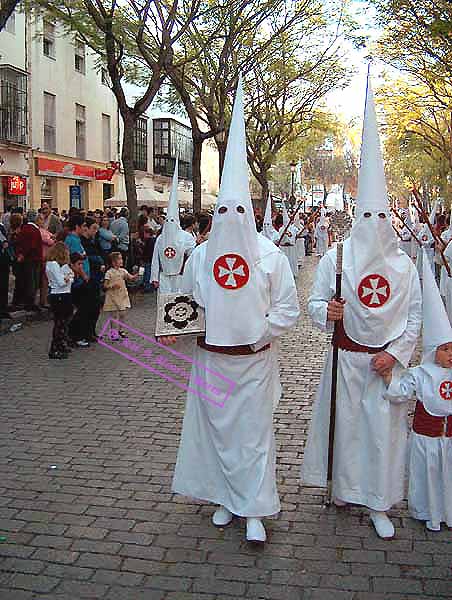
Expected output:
{"points": [[147, 276]]}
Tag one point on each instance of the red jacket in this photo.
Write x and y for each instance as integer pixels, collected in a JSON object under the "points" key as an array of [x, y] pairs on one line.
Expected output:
{"points": [[28, 242]]}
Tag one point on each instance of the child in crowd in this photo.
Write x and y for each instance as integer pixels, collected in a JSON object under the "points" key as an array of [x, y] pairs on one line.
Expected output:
{"points": [[60, 277], [430, 460], [117, 297]]}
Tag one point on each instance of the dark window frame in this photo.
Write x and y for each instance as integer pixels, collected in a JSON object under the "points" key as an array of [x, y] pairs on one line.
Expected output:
{"points": [[140, 145], [172, 139]]}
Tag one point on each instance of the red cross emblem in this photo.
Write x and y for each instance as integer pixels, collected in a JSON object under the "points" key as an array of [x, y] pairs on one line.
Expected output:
{"points": [[445, 390], [169, 252], [374, 291], [289, 234], [231, 271], [322, 227], [424, 238]]}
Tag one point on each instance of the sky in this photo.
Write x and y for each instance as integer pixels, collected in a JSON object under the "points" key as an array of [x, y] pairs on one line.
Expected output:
{"points": [[349, 102]]}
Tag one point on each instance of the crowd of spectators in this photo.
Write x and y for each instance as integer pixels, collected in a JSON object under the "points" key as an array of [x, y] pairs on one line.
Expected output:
{"points": [[59, 261]]}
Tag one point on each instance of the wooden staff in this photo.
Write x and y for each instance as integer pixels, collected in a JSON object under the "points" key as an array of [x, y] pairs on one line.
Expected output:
{"points": [[407, 226], [332, 428], [441, 245], [398, 234], [292, 219]]}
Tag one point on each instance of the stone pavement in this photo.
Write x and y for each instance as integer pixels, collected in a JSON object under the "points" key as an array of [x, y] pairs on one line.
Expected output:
{"points": [[87, 451]]}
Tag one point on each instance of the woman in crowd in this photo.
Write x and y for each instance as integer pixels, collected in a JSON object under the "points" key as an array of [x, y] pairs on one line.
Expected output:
{"points": [[48, 240]]}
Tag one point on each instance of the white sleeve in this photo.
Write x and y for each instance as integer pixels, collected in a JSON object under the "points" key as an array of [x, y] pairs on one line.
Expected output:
{"points": [[155, 265], [402, 387], [322, 292], [187, 283], [403, 347], [55, 274], [190, 246], [284, 308]]}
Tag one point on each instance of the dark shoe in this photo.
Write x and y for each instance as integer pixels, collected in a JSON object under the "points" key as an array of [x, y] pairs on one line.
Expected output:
{"points": [[122, 333], [33, 308], [57, 355]]}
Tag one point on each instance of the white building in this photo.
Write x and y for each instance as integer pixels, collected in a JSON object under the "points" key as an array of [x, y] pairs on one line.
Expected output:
{"points": [[68, 114], [59, 128]]}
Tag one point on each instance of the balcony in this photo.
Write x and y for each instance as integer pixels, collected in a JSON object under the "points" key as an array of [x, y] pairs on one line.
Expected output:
{"points": [[13, 106], [171, 140]]}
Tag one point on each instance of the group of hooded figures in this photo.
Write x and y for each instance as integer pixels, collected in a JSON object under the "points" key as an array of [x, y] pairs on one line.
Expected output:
{"points": [[245, 284]]}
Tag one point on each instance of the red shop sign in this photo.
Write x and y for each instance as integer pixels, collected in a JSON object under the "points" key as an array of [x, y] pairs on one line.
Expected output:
{"points": [[59, 168], [17, 186]]}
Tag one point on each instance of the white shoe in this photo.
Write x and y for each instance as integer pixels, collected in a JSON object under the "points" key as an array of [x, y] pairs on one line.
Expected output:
{"points": [[221, 517], [255, 531], [82, 343], [382, 524], [431, 526]]}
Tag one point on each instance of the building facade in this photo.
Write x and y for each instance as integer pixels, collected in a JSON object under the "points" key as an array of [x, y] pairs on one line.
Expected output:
{"points": [[60, 128]]}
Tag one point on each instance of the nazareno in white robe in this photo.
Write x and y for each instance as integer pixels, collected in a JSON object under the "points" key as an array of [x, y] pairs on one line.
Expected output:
{"points": [[291, 250], [227, 454], [430, 458], [321, 239], [371, 433], [169, 283]]}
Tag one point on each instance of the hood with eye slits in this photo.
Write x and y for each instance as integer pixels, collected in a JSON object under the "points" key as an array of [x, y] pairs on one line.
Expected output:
{"points": [[376, 274], [171, 243]]}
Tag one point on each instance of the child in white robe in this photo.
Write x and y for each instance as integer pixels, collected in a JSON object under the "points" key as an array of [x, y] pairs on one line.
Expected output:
{"points": [[430, 447]]}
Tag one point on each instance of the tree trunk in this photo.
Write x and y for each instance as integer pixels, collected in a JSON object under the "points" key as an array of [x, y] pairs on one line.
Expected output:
{"points": [[129, 168], [265, 191], [196, 167]]}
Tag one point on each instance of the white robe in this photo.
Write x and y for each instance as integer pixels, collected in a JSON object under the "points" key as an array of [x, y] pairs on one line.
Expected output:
{"points": [[321, 240], [446, 237], [371, 433], [169, 283], [430, 254], [227, 454], [430, 459], [290, 250]]}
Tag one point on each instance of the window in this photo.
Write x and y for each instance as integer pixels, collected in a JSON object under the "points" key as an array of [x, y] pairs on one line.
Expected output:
{"points": [[79, 57], [80, 131], [108, 191], [106, 138], [49, 122], [10, 25], [47, 190], [13, 105], [140, 155], [48, 40], [104, 77], [172, 140]]}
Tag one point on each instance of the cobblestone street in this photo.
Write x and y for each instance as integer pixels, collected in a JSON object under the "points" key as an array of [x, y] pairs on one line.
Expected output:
{"points": [[87, 453]]}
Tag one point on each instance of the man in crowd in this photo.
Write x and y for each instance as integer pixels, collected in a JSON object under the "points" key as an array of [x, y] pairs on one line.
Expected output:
{"points": [[120, 228], [28, 246], [51, 222]]}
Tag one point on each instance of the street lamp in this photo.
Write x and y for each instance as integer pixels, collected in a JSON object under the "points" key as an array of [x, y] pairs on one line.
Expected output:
{"points": [[293, 169]]}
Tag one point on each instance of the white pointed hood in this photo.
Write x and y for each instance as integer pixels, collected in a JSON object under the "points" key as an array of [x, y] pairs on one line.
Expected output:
{"points": [[229, 287], [267, 229], [436, 325], [436, 387], [376, 274], [171, 245]]}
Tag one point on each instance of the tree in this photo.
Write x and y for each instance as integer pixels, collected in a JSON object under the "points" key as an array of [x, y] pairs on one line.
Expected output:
{"points": [[416, 143], [232, 37], [114, 31], [284, 89], [6, 10]]}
